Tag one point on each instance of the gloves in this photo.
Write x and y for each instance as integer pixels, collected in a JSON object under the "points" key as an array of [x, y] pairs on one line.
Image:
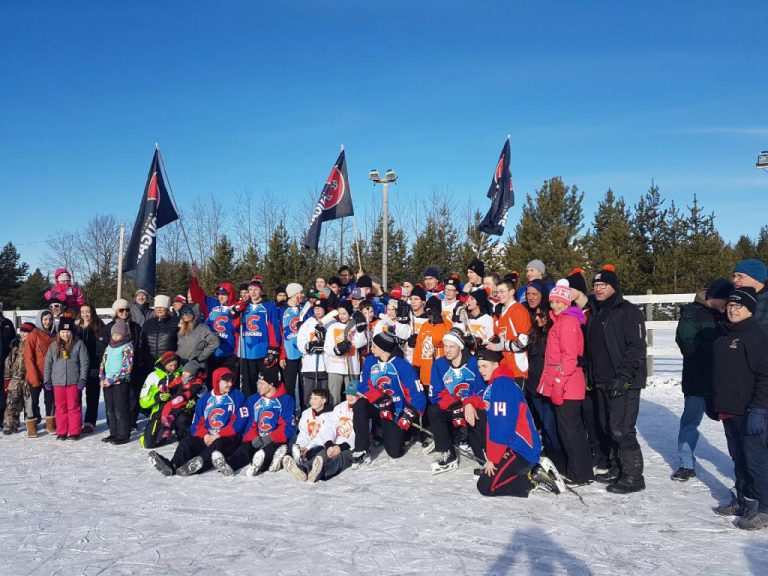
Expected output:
{"points": [[239, 307], [162, 397], [408, 416], [403, 313], [518, 345], [469, 341], [412, 340], [756, 421], [386, 407], [315, 347], [618, 388], [81, 384], [557, 395], [48, 386], [456, 410], [342, 347], [494, 344], [273, 355], [360, 324], [261, 441], [191, 405]]}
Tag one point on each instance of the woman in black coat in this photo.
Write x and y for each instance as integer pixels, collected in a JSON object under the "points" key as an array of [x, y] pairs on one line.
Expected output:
{"points": [[95, 336]]}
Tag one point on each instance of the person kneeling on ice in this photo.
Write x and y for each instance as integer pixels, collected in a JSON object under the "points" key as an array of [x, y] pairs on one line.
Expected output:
{"points": [[315, 433], [219, 419], [271, 423], [155, 394], [513, 445], [455, 382], [390, 392]]}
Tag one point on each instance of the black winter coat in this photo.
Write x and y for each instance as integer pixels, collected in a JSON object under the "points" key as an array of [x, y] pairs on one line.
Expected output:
{"points": [[740, 368], [158, 336], [95, 344], [697, 331], [624, 330]]}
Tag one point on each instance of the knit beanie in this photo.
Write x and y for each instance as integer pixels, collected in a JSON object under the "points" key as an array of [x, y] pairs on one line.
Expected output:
{"points": [[419, 292], [746, 296], [364, 282], [752, 267], [481, 297], [120, 304], [162, 301], [454, 336], [386, 341], [607, 276], [271, 375], [720, 289], [540, 286], [477, 267], [561, 293], [537, 264], [432, 271], [453, 280], [577, 281]]}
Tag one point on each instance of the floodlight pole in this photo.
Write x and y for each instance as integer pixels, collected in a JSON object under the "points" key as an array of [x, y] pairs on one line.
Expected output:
{"points": [[390, 176]]}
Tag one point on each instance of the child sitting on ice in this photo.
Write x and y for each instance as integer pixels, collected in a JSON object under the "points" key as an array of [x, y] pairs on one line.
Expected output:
{"points": [[183, 391]]}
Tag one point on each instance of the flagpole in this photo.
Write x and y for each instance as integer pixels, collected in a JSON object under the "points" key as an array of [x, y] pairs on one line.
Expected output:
{"points": [[120, 263], [357, 244], [173, 199]]}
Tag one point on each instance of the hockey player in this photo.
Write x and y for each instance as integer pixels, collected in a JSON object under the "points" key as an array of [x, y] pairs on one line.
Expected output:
{"points": [[451, 296], [341, 345], [396, 320], [391, 393], [419, 316], [315, 431], [292, 317], [260, 338], [221, 319], [478, 322], [429, 343], [455, 381], [475, 273], [513, 445], [310, 340], [154, 394], [217, 427], [511, 328], [271, 423]]}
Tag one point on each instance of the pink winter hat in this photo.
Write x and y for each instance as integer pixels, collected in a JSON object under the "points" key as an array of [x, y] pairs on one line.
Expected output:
{"points": [[561, 292]]}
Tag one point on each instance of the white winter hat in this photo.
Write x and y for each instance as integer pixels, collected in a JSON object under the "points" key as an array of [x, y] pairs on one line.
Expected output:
{"points": [[120, 304], [293, 288], [162, 301]]}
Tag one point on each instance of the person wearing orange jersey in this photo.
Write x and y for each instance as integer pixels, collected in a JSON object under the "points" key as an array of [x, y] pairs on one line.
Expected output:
{"points": [[511, 330]]}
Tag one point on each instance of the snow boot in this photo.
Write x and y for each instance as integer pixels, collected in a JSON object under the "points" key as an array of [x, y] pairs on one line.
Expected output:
{"points": [[254, 468], [734, 508], [683, 474], [190, 467], [296, 452], [360, 458], [291, 466], [549, 467], [88, 428], [220, 463], [161, 464], [50, 424], [317, 468], [627, 485], [277, 459], [609, 477], [446, 462], [752, 519], [31, 428]]}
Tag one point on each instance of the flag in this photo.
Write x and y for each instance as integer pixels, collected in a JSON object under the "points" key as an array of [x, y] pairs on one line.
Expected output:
{"points": [[157, 209], [335, 202], [501, 194]]}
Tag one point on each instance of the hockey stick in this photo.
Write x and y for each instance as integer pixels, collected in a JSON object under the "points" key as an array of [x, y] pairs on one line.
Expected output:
{"points": [[467, 453]]}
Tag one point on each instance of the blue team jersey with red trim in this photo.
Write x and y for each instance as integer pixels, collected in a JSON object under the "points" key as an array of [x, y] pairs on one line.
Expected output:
{"points": [[271, 416], [225, 414], [222, 324], [260, 330], [394, 378], [291, 322], [450, 385]]}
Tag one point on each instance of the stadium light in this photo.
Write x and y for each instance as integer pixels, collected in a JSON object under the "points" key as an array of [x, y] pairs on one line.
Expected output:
{"points": [[762, 160]]}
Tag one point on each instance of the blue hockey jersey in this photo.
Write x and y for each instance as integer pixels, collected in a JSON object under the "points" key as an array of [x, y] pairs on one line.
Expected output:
{"points": [[290, 324], [395, 378], [260, 330], [225, 414], [450, 385], [271, 416]]}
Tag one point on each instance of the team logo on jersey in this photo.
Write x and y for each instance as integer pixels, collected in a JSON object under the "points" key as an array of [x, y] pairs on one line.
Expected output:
{"points": [[220, 324], [461, 390], [313, 427], [264, 424], [217, 418], [382, 383], [294, 324], [427, 348], [335, 188], [252, 323], [345, 428]]}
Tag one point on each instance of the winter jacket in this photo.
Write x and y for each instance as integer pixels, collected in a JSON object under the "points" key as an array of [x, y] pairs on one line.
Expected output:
{"points": [[141, 313], [95, 342], [623, 327], [221, 319], [7, 336], [740, 368], [69, 370], [15, 368], [697, 331], [117, 364], [761, 314], [198, 344], [158, 336], [35, 350], [157, 382], [68, 294], [563, 378]]}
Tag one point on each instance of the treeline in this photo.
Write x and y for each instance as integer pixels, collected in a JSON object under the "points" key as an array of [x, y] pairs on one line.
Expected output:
{"points": [[654, 244]]}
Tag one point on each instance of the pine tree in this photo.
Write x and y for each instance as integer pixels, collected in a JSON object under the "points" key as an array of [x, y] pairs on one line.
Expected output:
{"points": [[436, 244], [247, 266], [101, 288], [761, 246], [30, 295], [479, 245], [277, 262], [704, 256], [397, 253], [669, 256], [649, 230], [548, 229], [221, 265], [12, 272], [173, 277], [744, 248]]}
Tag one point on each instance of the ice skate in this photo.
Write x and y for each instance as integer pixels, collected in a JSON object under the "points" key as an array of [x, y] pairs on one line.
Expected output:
{"points": [[446, 462]]}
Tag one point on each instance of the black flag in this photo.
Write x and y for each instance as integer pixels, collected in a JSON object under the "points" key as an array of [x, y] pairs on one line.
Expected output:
{"points": [[501, 194], [157, 209], [335, 202]]}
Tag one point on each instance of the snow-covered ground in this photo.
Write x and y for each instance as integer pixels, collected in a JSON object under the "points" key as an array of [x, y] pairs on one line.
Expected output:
{"points": [[72, 508]]}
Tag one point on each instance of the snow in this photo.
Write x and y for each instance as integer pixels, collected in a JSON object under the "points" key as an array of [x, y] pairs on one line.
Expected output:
{"points": [[87, 508]]}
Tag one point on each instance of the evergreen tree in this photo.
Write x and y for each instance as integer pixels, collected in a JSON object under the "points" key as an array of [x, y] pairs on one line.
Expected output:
{"points": [[30, 295], [100, 289], [436, 244], [397, 253], [704, 255], [221, 265], [669, 256], [761, 246], [12, 272], [548, 229], [649, 230], [744, 248], [173, 277], [247, 266], [277, 261], [479, 245]]}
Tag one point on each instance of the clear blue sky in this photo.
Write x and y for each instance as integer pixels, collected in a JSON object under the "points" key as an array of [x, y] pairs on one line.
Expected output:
{"points": [[259, 95]]}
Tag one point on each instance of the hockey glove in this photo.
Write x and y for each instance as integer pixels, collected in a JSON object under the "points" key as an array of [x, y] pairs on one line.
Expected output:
{"points": [[273, 355], [412, 340], [408, 416], [315, 347], [403, 313], [81, 385], [162, 397], [494, 344], [756, 421], [360, 324], [456, 410], [342, 347], [261, 441], [239, 307], [386, 407]]}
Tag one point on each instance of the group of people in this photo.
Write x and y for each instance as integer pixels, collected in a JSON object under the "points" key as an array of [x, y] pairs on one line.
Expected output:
{"points": [[537, 381]]}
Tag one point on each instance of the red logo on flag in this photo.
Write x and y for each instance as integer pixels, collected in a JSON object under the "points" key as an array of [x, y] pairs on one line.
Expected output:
{"points": [[335, 189], [152, 193]]}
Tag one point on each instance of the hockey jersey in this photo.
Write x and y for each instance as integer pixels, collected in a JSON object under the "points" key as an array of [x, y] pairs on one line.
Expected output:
{"points": [[224, 415], [514, 325], [315, 429], [270, 416], [342, 425], [305, 335], [290, 322], [218, 317], [429, 347], [510, 424], [451, 385], [482, 327], [448, 308], [260, 330], [394, 378], [349, 363]]}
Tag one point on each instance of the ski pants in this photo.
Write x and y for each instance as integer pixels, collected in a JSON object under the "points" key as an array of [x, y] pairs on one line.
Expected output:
{"points": [[193, 446], [750, 460], [117, 399], [511, 477], [156, 435], [69, 413], [32, 407], [618, 417], [573, 435], [18, 390], [362, 414]]}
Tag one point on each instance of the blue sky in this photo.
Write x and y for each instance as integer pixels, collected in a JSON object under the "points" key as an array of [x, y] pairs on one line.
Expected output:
{"points": [[259, 95]]}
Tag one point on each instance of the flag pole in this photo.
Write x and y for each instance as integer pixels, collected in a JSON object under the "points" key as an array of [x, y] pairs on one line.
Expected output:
{"points": [[357, 244], [120, 262], [173, 199]]}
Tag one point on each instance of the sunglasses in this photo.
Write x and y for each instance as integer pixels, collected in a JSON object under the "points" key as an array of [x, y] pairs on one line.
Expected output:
{"points": [[123, 310]]}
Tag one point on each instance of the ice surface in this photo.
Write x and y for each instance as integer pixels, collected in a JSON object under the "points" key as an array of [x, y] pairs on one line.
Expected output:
{"points": [[72, 508]]}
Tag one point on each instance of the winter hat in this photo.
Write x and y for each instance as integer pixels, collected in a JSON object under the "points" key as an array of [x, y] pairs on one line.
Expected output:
{"points": [[561, 293], [432, 271], [280, 290], [477, 267], [271, 375], [419, 292], [63, 275], [455, 336], [537, 264], [321, 303], [162, 301], [347, 305], [221, 290], [376, 279], [481, 297], [746, 296], [167, 357], [351, 388], [120, 304], [752, 267], [720, 289], [364, 281], [186, 309], [512, 277], [577, 281], [256, 281], [293, 289], [396, 293], [180, 298], [243, 286], [454, 280], [27, 327], [218, 375], [488, 355], [434, 303], [386, 341], [141, 291], [608, 276], [119, 327], [539, 285], [357, 294]]}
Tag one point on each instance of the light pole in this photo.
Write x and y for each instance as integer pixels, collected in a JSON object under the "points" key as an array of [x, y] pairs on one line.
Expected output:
{"points": [[374, 177], [762, 160]]}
